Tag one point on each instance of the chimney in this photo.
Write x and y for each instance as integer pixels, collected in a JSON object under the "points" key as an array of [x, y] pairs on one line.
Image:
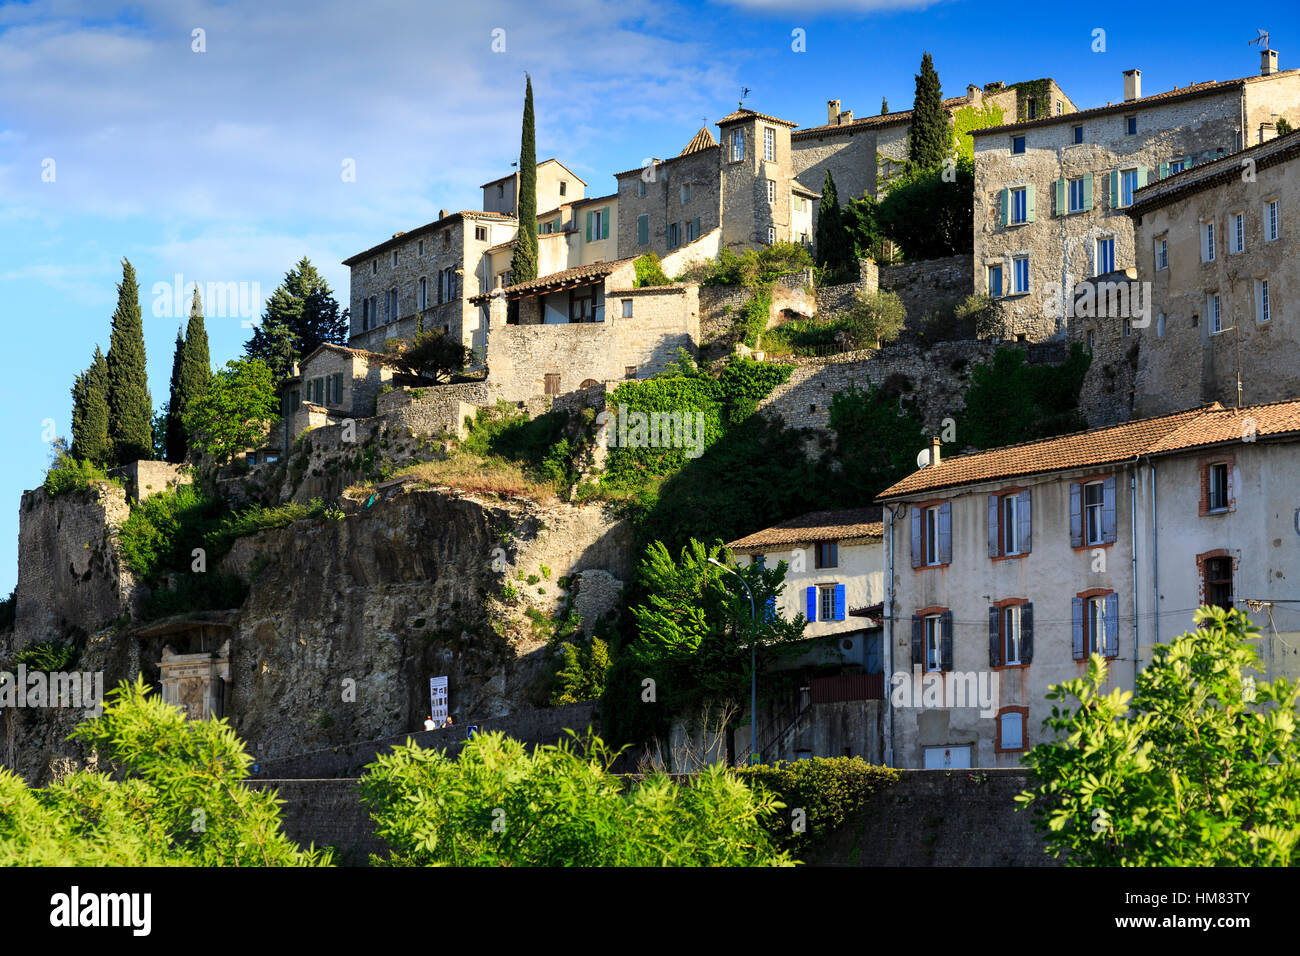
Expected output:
{"points": [[934, 451], [846, 117], [974, 94], [832, 112], [1267, 62], [1132, 85], [442, 214]]}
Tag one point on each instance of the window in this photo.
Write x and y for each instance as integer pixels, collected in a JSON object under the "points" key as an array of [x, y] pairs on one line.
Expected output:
{"points": [[769, 144], [1091, 339], [824, 602], [394, 257], [1078, 135], [1019, 205], [1237, 235], [1263, 309], [552, 383], [391, 304], [1017, 145], [947, 758], [771, 235], [1217, 475], [1031, 108], [1059, 109], [1077, 198], [674, 235], [931, 534], [501, 190], [828, 555], [564, 187], [1011, 634], [374, 311], [1128, 184], [692, 229], [627, 308], [597, 225], [1162, 253], [640, 188], [1092, 512], [1214, 309], [1011, 729], [771, 192], [995, 281], [1009, 524], [365, 314], [826, 597], [642, 230], [1207, 242], [446, 238], [1216, 580], [629, 371], [546, 228], [424, 293], [1021, 276], [421, 248], [737, 145], [480, 233], [1128, 327], [1105, 255], [1095, 625], [503, 279], [1160, 325], [686, 193], [1130, 125], [1272, 220], [932, 639], [374, 267]]}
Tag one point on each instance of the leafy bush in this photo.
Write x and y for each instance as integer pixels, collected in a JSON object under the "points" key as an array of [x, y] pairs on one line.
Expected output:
{"points": [[751, 268], [1011, 401], [499, 804], [582, 675], [877, 437], [828, 790], [48, 656], [982, 313], [1197, 767], [181, 799], [874, 318], [429, 355], [69, 475], [650, 271], [162, 531], [8, 610], [209, 591]]}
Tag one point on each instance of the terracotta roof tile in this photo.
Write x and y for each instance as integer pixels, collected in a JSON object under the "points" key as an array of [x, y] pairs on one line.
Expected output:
{"points": [[1232, 424], [702, 140], [592, 270], [736, 116], [816, 526]]}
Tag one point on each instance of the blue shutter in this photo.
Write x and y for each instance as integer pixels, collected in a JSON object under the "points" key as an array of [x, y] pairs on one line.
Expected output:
{"points": [[839, 602], [811, 599], [1023, 519], [995, 636], [1108, 510], [995, 545], [917, 552], [918, 640], [1111, 646], [1076, 644], [1027, 633], [945, 641], [945, 533], [1076, 515]]}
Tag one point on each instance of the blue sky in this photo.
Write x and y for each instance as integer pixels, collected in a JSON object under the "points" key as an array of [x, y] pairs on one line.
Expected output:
{"points": [[225, 165]]}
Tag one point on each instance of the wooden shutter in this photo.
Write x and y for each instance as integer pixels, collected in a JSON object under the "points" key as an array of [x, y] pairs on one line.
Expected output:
{"points": [[945, 533], [589, 226], [995, 636], [918, 552], [1110, 646], [1164, 170], [1061, 207], [1024, 521], [945, 641], [1030, 202], [604, 223], [1087, 191], [1004, 201], [1108, 510], [697, 227], [839, 602], [1114, 189], [995, 539], [810, 599], [1076, 643], [918, 640], [1026, 633], [1141, 176], [642, 229], [1076, 515]]}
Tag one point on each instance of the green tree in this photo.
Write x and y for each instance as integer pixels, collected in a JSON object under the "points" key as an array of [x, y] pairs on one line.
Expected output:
{"points": [[430, 355], [130, 410], [500, 803], [177, 798], [928, 215], [302, 311], [1010, 401], [90, 440], [234, 411], [173, 425], [834, 245], [524, 264], [877, 436], [884, 106], [1198, 766], [189, 379], [1283, 126], [875, 318], [930, 142]]}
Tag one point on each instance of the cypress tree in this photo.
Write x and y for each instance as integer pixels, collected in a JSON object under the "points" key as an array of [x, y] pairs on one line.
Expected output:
{"points": [[834, 247], [90, 412], [190, 380], [174, 434], [931, 139], [130, 412], [524, 264], [884, 106]]}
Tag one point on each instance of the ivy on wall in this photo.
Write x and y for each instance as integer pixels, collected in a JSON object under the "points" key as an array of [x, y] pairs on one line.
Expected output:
{"points": [[1038, 90], [969, 118]]}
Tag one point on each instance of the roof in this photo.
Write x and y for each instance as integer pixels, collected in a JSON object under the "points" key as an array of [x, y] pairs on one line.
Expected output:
{"points": [[701, 140], [742, 114], [381, 358], [866, 122], [590, 199], [404, 237], [664, 162], [1202, 176], [577, 275], [499, 179], [1191, 428], [1206, 88], [845, 525], [804, 191]]}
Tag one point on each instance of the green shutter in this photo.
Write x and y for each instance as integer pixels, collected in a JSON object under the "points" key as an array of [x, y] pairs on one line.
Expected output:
{"points": [[1114, 189], [604, 223], [642, 229], [1164, 170], [1087, 191], [1029, 203], [697, 227], [589, 227], [1141, 177], [1006, 207], [1061, 209]]}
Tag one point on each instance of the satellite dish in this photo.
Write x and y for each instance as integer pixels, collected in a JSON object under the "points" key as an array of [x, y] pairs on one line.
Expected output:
{"points": [[923, 458]]}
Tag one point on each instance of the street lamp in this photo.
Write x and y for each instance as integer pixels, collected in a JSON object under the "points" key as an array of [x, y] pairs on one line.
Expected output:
{"points": [[753, 663]]}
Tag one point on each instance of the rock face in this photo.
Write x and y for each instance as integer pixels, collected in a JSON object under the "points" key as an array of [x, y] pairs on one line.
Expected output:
{"points": [[345, 621]]}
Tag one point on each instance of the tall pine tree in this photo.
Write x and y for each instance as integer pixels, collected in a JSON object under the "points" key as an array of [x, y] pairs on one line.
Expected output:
{"points": [[174, 440], [90, 413], [931, 139], [301, 315], [834, 245], [524, 264], [189, 379], [130, 412]]}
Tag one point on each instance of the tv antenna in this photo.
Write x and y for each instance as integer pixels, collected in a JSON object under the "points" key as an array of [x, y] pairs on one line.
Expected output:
{"points": [[1262, 39], [744, 91]]}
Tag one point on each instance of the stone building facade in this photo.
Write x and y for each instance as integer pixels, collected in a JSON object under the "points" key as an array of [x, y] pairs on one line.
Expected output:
{"points": [[1218, 246], [1052, 194], [332, 383], [670, 203]]}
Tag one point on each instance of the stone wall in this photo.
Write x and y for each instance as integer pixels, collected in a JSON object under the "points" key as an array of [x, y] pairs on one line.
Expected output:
{"points": [[662, 202], [927, 286], [147, 478], [834, 299], [326, 813], [433, 410]]}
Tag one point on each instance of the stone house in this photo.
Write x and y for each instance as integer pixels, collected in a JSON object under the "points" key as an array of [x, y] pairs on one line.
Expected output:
{"points": [[1026, 559], [583, 326], [329, 385], [1052, 194], [576, 233], [1217, 245], [557, 185]]}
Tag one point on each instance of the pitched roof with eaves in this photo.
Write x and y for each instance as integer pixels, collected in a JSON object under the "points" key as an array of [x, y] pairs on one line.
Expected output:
{"points": [[405, 237], [1215, 172], [853, 524]]}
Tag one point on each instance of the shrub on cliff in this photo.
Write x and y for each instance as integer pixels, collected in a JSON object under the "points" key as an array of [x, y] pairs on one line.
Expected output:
{"points": [[69, 474], [500, 804], [650, 271], [180, 799], [875, 318]]}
